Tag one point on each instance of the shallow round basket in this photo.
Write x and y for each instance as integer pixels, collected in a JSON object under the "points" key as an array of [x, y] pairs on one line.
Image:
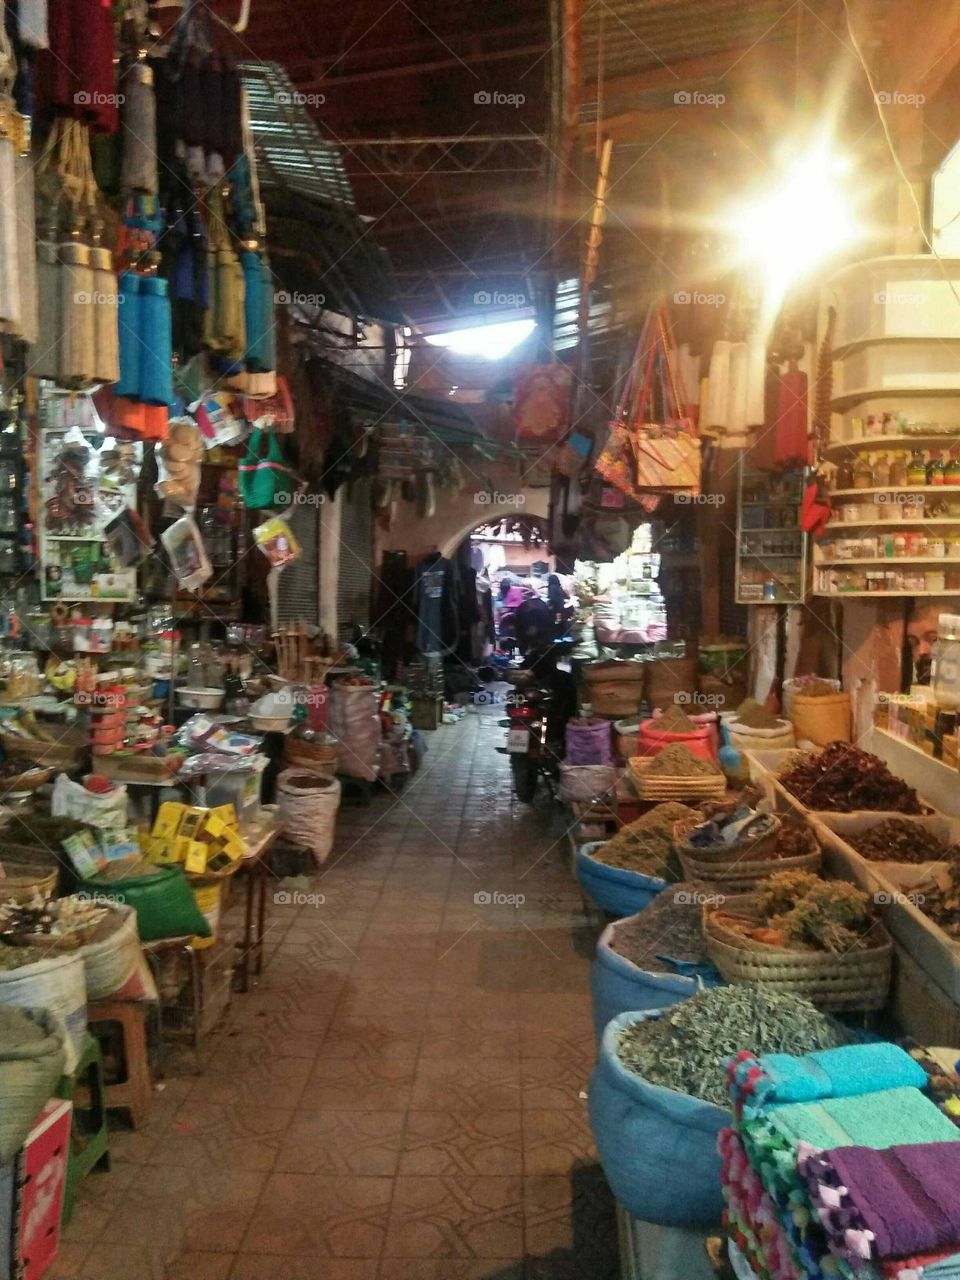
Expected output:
{"points": [[739, 867], [29, 780], [853, 980], [664, 787], [22, 883]]}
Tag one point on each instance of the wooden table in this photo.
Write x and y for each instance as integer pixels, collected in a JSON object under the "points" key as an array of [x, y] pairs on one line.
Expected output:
{"points": [[261, 839]]}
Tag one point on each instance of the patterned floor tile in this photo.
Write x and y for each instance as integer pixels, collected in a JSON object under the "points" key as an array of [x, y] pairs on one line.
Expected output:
{"points": [[466, 1085], [322, 1215], [459, 1217], [451, 1143], [364, 1143]]}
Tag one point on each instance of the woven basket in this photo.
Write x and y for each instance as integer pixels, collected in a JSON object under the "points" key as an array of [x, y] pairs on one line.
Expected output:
{"points": [[29, 780], [614, 672], [64, 754], [700, 786], [316, 757], [854, 980], [741, 866], [22, 882]]}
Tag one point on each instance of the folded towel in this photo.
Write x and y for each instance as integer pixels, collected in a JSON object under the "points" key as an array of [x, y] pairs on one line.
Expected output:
{"points": [[777, 1078], [886, 1204], [867, 1068], [893, 1116]]}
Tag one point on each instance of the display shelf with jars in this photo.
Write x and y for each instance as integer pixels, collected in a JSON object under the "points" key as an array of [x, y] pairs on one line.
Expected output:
{"points": [[771, 546]]}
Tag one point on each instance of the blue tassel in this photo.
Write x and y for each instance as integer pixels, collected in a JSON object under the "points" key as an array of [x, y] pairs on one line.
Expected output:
{"points": [[131, 346], [250, 261], [156, 383], [268, 331]]}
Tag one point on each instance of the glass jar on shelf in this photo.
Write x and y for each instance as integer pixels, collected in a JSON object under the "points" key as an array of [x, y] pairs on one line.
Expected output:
{"points": [[916, 469]]}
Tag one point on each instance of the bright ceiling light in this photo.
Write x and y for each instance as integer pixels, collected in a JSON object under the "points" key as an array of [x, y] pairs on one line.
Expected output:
{"points": [[806, 220], [488, 341]]}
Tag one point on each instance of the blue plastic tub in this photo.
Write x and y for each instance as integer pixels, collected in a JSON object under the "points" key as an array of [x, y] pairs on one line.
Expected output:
{"points": [[619, 892], [658, 1147]]}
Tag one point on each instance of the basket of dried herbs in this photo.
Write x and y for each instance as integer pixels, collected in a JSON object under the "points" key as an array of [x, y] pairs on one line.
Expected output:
{"points": [[624, 874], [817, 938], [675, 773], [789, 846], [658, 1095], [654, 958]]}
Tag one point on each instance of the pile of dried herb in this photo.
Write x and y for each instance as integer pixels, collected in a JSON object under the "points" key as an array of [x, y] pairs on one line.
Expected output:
{"points": [[758, 717], [816, 688], [804, 912], [688, 1047], [897, 840], [678, 761], [670, 926], [674, 720], [646, 845], [844, 778]]}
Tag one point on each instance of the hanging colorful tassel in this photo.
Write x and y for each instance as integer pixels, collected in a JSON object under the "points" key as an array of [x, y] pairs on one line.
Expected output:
{"points": [[756, 380], [106, 358], [44, 360], [76, 309], [737, 392], [252, 307], [26, 249], [268, 317], [129, 331], [156, 377], [716, 409], [138, 125], [10, 300]]}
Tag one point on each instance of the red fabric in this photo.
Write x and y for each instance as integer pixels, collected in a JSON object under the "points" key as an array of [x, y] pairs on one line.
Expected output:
{"points": [[790, 443], [814, 511], [75, 76]]}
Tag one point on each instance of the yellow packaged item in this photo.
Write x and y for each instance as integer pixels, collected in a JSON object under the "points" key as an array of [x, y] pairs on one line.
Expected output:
{"points": [[168, 818], [196, 859]]}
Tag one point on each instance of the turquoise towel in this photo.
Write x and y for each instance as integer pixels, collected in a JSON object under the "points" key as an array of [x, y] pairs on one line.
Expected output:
{"points": [[868, 1068], [886, 1119], [794, 1079]]}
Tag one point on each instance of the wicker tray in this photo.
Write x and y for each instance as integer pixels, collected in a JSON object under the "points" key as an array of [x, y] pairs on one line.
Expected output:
{"points": [[701, 786], [738, 867], [854, 980], [22, 882], [317, 757]]}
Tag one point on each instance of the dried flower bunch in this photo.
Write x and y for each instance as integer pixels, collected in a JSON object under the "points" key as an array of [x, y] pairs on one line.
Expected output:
{"points": [[843, 778]]}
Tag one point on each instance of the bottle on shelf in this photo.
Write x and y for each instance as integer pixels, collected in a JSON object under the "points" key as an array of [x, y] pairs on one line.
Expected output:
{"points": [[845, 474], [862, 473], [881, 469], [951, 472], [935, 473], [916, 468], [898, 470]]}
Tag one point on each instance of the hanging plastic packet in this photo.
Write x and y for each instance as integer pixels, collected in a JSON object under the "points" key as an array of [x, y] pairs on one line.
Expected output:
{"points": [[188, 559], [129, 538], [216, 420], [275, 539]]}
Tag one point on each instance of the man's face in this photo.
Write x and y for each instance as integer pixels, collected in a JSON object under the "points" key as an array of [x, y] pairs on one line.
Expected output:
{"points": [[921, 637]]}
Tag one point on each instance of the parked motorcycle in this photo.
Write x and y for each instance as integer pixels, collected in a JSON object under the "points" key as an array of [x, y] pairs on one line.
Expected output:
{"points": [[538, 708]]}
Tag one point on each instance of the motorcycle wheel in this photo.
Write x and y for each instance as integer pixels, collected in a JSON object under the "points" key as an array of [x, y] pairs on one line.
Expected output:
{"points": [[525, 772]]}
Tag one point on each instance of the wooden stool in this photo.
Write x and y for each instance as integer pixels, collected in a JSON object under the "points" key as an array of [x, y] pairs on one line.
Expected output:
{"points": [[134, 1092]]}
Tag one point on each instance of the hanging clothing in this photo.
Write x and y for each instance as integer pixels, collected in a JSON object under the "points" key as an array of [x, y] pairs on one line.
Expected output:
{"points": [[394, 610], [437, 604]]}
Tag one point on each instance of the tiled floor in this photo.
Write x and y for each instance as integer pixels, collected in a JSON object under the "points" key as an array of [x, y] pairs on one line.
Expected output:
{"points": [[402, 1097]]}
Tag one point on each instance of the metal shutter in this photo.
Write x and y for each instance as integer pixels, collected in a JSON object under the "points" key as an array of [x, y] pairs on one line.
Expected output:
{"points": [[298, 593], [356, 559]]}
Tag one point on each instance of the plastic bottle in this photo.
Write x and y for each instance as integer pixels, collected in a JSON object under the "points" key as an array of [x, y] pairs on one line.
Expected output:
{"points": [[916, 468], [935, 474], [951, 472], [945, 672]]}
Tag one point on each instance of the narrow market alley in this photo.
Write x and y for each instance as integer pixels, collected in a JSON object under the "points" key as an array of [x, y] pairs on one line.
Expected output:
{"points": [[402, 1097]]}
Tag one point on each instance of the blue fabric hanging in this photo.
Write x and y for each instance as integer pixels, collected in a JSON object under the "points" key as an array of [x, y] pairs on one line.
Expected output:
{"points": [[131, 347], [252, 308], [156, 381], [268, 328]]}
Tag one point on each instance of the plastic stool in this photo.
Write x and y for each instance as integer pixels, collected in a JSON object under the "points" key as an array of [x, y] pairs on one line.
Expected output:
{"points": [[134, 1092], [88, 1132]]}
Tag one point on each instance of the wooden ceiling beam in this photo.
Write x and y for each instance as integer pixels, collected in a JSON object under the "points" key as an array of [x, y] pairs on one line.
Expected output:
{"points": [[425, 68]]}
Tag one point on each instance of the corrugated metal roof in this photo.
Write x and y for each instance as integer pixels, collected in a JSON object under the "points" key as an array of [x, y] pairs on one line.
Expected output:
{"points": [[291, 151], [630, 36]]}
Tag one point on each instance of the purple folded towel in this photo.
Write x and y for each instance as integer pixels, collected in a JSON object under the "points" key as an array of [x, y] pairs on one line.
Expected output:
{"points": [[905, 1195]]}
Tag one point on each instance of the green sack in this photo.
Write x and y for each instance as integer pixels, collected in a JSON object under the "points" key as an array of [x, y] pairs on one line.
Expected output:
{"points": [[265, 479], [164, 903]]}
